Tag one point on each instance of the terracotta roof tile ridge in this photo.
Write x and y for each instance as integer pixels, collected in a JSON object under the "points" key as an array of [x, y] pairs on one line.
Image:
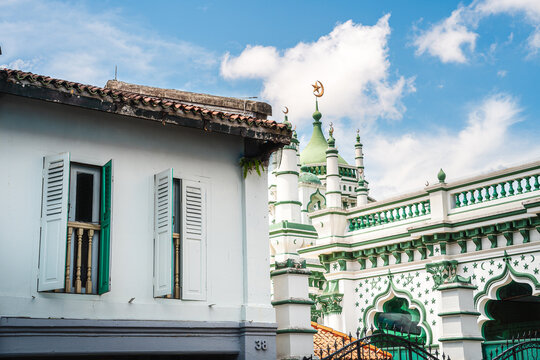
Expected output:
{"points": [[128, 96]]}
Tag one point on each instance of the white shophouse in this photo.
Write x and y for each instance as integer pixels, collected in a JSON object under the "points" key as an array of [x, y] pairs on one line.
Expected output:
{"points": [[127, 226], [454, 265]]}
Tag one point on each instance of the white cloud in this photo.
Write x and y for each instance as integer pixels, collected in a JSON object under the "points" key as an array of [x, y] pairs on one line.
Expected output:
{"points": [[502, 73], [352, 63], [68, 40], [487, 142], [447, 38]]}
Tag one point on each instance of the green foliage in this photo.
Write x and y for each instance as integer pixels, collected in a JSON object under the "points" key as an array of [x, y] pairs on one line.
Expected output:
{"points": [[250, 164]]}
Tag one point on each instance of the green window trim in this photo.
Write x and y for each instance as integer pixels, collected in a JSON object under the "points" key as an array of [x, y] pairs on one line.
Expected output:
{"points": [[105, 234]]}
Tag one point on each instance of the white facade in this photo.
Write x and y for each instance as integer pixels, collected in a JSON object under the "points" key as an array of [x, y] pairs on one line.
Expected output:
{"points": [[235, 290]]}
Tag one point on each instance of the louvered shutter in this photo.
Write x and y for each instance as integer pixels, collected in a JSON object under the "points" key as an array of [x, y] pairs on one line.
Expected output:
{"points": [[163, 213], [105, 233], [54, 217], [193, 240]]}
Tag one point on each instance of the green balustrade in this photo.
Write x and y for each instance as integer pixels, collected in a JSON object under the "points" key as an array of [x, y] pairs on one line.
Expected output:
{"points": [[518, 186], [399, 213]]}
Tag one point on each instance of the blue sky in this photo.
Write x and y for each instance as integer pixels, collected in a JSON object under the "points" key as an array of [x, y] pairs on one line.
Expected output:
{"points": [[430, 84]]}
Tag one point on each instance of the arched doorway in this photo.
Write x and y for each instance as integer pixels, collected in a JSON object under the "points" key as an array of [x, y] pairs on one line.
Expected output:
{"points": [[515, 312], [398, 315]]}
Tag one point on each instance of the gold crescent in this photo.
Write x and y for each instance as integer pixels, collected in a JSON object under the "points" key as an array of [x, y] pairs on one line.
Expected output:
{"points": [[286, 111], [318, 92]]}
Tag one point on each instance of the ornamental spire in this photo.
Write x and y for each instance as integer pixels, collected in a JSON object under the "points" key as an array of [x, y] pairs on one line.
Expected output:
{"points": [[331, 140]]}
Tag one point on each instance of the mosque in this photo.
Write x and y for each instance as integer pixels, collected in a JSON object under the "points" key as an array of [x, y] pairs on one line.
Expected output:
{"points": [[453, 265]]}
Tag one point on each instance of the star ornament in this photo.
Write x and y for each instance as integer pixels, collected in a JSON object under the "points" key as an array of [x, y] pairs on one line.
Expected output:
{"points": [[318, 89]]}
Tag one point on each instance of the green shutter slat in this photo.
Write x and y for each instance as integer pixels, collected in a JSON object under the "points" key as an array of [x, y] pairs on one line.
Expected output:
{"points": [[105, 237]]}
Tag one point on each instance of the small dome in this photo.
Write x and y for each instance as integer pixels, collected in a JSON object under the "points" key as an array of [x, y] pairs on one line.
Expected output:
{"points": [[307, 177]]}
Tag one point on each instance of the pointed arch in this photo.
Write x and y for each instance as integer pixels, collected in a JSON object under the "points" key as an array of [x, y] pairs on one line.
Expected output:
{"points": [[489, 292], [316, 199], [392, 292]]}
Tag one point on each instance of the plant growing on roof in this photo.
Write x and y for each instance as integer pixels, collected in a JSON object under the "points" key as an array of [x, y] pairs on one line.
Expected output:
{"points": [[249, 164]]}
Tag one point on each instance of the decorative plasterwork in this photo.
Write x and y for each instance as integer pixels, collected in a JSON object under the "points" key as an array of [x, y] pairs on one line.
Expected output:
{"points": [[445, 272]]}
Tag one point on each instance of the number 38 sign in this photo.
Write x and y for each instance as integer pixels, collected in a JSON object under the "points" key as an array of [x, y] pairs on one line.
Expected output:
{"points": [[260, 345]]}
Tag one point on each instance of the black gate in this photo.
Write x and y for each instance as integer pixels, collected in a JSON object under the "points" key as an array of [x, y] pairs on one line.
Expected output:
{"points": [[525, 347], [379, 345]]}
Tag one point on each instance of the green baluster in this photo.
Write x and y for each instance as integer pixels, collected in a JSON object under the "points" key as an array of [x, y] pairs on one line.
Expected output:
{"points": [[503, 190], [511, 188], [479, 196], [403, 213], [536, 184], [351, 224], [409, 211], [527, 184], [519, 188], [424, 206], [416, 212], [386, 220], [391, 215], [458, 202], [486, 195], [465, 201], [362, 224], [494, 194], [397, 214], [427, 206]]}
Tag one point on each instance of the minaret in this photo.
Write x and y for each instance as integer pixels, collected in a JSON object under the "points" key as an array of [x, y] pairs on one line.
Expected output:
{"points": [[333, 191], [362, 189], [287, 205]]}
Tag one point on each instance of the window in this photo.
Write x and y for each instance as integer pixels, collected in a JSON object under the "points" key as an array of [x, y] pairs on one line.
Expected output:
{"points": [[179, 237], [397, 315], [75, 227]]}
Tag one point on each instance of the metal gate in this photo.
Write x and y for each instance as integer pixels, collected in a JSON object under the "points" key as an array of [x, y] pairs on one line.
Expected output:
{"points": [[517, 349], [380, 345]]}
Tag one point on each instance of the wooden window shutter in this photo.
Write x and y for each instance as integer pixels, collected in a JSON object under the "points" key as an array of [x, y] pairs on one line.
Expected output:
{"points": [[54, 217], [163, 230], [193, 240], [105, 234]]}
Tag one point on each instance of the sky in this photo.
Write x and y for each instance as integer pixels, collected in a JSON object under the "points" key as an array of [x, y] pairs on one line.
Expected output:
{"points": [[429, 84]]}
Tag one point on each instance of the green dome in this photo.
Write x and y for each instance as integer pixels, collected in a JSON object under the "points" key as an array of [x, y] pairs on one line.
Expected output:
{"points": [[307, 177], [315, 150]]}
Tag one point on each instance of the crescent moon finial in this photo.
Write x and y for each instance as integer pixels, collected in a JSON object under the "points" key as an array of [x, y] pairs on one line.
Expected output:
{"points": [[286, 111], [318, 89]]}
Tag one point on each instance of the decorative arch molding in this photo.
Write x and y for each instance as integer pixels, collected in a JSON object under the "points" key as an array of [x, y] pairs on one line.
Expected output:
{"points": [[315, 197], [388, 294], [489, 292]]}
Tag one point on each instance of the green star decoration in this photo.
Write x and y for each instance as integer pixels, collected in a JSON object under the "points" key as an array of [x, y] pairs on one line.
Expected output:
{"points": [[361, 296], [437, 250], [433, 323], [522, 257], [482, 279], [379, 288], [366, 281], [417, 274], [357, 304], [360, 284], [536, 271], [427, 278], [490, 272], [499, 266], [397, 281], [362, 310], [474, 276], [491, 262], [426, 291], [525, 266], [516, 263], [367, 301], [475, 265], [431, 311], [418, 284], [465, 269], [402, 275], [334, 266], [419, 294], [426, 302], [433, 301]]}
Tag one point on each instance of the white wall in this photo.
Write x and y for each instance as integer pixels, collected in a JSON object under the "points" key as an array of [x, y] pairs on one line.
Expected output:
{"points": [[31, 129]]}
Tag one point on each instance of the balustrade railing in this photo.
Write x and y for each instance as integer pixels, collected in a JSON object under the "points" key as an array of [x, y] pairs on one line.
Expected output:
{"points": [[503, 189], [82, 235], [387, 216], [176, 242]]}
